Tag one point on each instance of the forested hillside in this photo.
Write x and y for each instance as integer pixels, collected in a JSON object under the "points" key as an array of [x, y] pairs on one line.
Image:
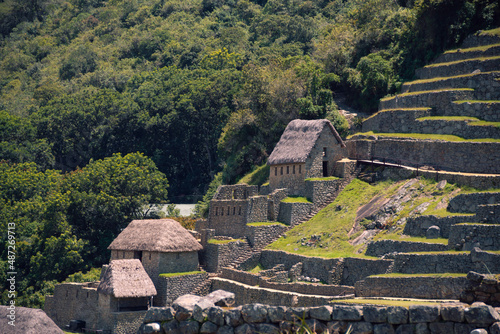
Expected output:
{"points": [[198, 87]]}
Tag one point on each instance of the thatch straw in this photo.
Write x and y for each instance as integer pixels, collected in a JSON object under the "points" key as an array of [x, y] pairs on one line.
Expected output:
{"points": [[298, 139], [155, 235], [125, 279], [27, 321]]}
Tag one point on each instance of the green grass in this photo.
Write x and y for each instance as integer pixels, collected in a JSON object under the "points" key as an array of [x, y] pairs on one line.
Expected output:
{"points": [[296, 199], [427, 91], [485, 123], [442, 78], [454, 252], [461, 61], [397, 109], [477, 48], [448, 118], [265, 224], [257, 177], [329, 178], [223, 242], [384, 302], [424, 136], [476, 101], [257, 269], [399, 237], [181, 274], [434, 275], [492, 32]]}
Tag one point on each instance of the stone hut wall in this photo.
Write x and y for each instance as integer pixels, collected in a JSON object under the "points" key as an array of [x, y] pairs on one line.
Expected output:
{"points": [[236, 191], [258, 210], [229, 217], [326, 149], [126, 322], [412, 287], [73, 301], [318, 191], [217, 256], [289, 176], [170, 288]]}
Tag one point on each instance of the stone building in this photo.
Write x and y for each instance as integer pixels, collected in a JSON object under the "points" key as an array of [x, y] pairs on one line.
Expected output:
{"points": [[307, 149]]}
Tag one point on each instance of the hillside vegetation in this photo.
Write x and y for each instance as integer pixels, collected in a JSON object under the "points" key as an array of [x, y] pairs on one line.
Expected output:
{"points": [[104, 104]]}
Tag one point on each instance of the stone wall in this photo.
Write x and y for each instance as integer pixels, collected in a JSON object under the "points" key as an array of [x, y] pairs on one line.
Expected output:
{"points": [[336, 318], [464, 67], [319, 191], [229, 217], [412, 287], [245, 294], [470, 157], [126, 322], [467, 236], [438, 99], [382, 247], [170, 288], [294, 213], [489, 214], [289, 176], [274, 203], [73, 301], [468, 203], [460, 262], [417, 226], [236, 191], [303, 288], [258, 210], [260, 236], [482, 288], [216, 256], [331, 271]]}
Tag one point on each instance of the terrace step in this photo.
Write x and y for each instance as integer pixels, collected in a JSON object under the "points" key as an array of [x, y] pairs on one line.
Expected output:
{"points": [[485, 84], [424, 99], [382, 247], [418, 226], [466, 236], [412, 286], [469, 53], [458, 67]]}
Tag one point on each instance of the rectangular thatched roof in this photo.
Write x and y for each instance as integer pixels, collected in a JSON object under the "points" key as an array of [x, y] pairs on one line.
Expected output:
{"points": [[298, 139], [155, 235], [126, 279]]}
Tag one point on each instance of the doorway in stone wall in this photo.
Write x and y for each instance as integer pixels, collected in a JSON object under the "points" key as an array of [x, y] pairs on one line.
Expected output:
{"points": [[270, 211], [325, 168]]}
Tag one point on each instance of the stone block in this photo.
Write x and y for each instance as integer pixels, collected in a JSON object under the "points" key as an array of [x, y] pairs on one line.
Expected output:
{"points": [[295, 314], [423, 313], [421, 328], [189, 327], [216, 315], [454, 313], [276, 313], [441, 327], [479, 331], [336, 326], [383, 329], [347, 312], [375, 314], [480, 313], [267, 329], [397, 315], [171, 327], [405, 329], [209, 327], [254, 313], [244, 329], [321, 313], [315, 326], [233, 317], [151, 328], [433, 232], [495, 328], [159, 314], [361, 327], [225, 330], [461, 328]]}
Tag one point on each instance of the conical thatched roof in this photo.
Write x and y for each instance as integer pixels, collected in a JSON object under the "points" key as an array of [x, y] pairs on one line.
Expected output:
{"points": [[298, 139], [27, 321], [125, 279], [155, 235]]}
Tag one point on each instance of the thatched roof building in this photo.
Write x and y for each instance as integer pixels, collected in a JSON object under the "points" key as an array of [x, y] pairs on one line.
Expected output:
{"points": [[27, 321], [155, 235], [126, 279], [298, 140]]}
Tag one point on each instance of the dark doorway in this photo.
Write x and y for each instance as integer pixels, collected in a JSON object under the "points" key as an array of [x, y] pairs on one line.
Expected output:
{"points": [[325, 168], [138, 255]]}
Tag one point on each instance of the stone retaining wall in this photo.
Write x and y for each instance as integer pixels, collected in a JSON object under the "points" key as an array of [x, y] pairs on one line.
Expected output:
{"points": [[469, 157], [464, 67], [126, 322], [259, 318], [436, 99], [294, 213], [460, 262], [467, 236], [482, 288], [417, 226], [217, 256], [303, 288], [260, 236], [412, 287], [171, 288], [489, 214], [245, 294], [468, 203], [321, 190], [382, 247]]}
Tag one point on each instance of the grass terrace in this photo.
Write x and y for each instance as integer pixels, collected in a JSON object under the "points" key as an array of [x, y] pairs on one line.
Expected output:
{"points": [[296, 199], [427, 91], [420, 81], [435, 275], [329, 178], [223, 242], [425, 136], [461, 61], [181, 274], [265, 224], [477, 48], [385, 302]]}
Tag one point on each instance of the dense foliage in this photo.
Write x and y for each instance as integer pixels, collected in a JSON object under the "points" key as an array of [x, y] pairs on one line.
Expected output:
{"points": [[63, 223], [202, 88]]}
